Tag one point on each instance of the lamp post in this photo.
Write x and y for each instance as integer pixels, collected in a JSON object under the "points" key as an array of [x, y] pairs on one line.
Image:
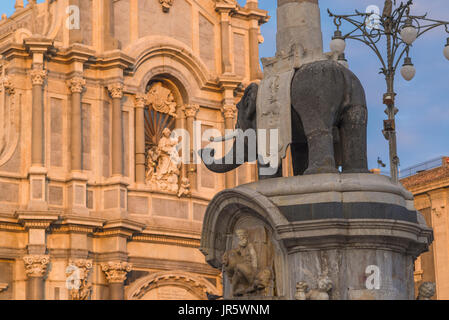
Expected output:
{"points": [[398, 30]]}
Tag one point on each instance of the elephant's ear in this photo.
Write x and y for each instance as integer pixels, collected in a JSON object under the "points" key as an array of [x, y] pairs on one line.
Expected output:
{"points": [[250, 99]]}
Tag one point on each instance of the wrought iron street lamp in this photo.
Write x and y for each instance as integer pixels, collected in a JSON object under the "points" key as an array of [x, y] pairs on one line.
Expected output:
{"points": [[399, 29]]}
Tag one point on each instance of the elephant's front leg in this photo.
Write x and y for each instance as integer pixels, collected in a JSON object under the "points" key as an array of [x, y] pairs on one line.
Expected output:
{"points": [[353, 140], [321, 151]]}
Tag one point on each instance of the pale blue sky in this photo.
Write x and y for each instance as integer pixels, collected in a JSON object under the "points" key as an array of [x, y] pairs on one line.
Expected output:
{"points": [[423, 119]]}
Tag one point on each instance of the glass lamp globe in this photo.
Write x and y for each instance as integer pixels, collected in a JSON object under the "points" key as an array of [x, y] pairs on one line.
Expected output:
{"points": [[446, 50], [409, 33], [338, 44], [408, 70]]}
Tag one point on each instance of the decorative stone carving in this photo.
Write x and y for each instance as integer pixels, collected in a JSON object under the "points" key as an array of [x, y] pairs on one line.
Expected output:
{"points": [[36, 265], [166, 5], [164, 163], [116, 272], [191, 110], [78, 271], [38, 76], [116, 90], [229, 111], [140, 100], [242, 267], [76, 84], [426, 291], [161, 99], [303, 291], [184, 188]]}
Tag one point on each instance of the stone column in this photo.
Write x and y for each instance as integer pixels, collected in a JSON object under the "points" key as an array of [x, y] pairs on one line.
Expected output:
{"points": [[35, 269], [224, 10], [140, 137], [229, 112], [191, 112], [116, 273], [255, 72], [299, 23], [76, 86], [116, 92], [38, 76]]}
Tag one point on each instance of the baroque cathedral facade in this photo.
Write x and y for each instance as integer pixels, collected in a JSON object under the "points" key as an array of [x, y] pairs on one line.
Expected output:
{"points": [[95, 202]]}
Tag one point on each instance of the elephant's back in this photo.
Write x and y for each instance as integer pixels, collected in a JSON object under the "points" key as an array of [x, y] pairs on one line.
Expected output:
{"points": [[321, 86]]}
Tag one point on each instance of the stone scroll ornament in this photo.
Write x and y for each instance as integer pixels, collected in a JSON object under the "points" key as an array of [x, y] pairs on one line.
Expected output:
{"points": [[241, 265], [9, 116]]}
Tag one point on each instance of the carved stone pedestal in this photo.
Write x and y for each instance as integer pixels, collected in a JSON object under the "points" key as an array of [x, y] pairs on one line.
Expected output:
{"points": [[318, 237]]}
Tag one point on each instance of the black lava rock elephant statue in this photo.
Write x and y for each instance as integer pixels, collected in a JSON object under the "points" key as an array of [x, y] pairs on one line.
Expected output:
{"points": [[329, 122]]}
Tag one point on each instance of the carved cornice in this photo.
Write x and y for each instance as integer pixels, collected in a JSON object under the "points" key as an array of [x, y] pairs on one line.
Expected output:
{"points": [[229, 111], [38, 76], [37, 220], [166, 239], [116, 90], [116, 271], [76, 84], [191, 110], [36, 265]]}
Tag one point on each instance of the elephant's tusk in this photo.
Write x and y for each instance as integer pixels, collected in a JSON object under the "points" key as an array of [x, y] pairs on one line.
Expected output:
{"points": [[225, 138]]}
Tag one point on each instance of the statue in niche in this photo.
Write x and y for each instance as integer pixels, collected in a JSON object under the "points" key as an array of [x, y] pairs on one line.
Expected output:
{"points": [[303, 292], [161, 99], [164, 163], [426, 291], [243, 269]]}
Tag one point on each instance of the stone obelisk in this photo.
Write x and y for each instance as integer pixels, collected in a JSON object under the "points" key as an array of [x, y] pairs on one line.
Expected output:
{"points": [[299, 24]]}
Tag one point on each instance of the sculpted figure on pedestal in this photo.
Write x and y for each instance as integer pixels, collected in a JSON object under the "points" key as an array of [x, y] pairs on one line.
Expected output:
{"points": [[241, 266]]}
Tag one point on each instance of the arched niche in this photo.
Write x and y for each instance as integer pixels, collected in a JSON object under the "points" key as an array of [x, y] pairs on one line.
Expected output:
{"points": [[173, 285]]}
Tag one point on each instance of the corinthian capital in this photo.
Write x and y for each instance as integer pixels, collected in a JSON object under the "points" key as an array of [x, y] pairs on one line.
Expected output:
{"points": [[140, 100], [36, 265], [116, 271], [191, 110], [116, 90], [76, 84], [229, 111], [38, 76]]}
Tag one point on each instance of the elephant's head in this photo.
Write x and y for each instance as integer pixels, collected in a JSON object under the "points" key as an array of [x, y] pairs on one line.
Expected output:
{"points": [[246, 119]]}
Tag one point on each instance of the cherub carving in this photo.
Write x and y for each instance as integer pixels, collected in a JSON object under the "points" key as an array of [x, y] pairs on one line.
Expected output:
{"points": [[303, 292]]}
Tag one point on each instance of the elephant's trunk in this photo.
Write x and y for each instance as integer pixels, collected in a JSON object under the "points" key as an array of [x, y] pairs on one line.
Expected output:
{"points": [[223, 165], [227, 137]]}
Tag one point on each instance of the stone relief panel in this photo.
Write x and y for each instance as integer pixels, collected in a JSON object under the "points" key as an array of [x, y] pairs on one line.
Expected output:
{"points": [[251, 264]]}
